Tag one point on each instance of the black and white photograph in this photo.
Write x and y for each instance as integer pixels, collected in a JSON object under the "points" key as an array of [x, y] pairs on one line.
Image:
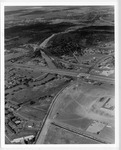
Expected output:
{"points": [[59, 74]]}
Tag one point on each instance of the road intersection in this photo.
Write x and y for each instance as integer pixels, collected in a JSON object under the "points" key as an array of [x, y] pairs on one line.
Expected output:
{"points": [[66, 73]]}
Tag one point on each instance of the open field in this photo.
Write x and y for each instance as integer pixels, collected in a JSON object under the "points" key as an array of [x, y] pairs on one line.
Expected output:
{"points": [[33, 74], [42, 104], [31, 114], [58, 135], [44, 86], [24, 132], [81, 107]]}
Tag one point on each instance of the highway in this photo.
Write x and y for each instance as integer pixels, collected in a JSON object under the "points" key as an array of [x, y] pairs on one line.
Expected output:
{"points": [[47, 120], [48, 60], [66, 73]]}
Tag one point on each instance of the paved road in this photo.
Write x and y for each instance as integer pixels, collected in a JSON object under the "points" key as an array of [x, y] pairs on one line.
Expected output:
{"points": [[7, 141], [48, 60], [66, 73], [50, 119], [45, 42], [47, 120]]}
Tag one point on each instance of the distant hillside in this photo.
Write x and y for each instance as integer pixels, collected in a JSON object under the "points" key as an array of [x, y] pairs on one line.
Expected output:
{"points": [[33, 33], [78, 40]]}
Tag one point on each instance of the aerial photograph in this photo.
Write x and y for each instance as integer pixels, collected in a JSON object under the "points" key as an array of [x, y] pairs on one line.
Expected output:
{"points": [[59, 74]]}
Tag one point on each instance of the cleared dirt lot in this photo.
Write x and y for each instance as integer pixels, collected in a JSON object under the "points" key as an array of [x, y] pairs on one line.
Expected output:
{"points": [[80, 107], [58, 135]]}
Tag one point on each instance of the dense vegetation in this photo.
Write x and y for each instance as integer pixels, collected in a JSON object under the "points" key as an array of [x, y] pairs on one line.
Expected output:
{"points": [[33, 33], [23, 30], [80, 39]]}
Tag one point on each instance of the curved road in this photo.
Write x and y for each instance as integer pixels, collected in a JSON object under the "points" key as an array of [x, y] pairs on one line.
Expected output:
{"points": [[47, 121], [50, 119]]}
